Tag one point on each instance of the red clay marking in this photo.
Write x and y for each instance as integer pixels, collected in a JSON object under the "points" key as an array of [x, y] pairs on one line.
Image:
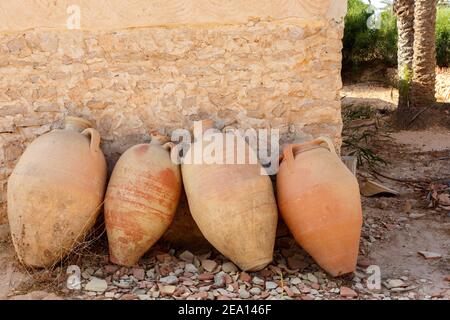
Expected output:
{"points": [[128, 223], [141, 149], [167, 178]]}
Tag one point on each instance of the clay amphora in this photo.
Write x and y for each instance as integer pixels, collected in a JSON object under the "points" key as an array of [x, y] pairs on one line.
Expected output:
{"points": [[141, 200], [233, 204], [318, 198], [55, 193]]}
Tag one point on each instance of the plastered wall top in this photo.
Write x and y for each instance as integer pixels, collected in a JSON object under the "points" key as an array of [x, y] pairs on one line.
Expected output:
{"points": [[117, 14]]}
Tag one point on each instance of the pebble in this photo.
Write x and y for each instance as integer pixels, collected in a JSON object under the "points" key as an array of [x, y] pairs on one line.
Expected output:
{"points": [[219, 279], [295, 291], [189, 267], [312, 278], [123, 284], [258, 281], [229, 267], [394, 283], [271, 285], [139, 273], [209, 265], [296, 281], [430, 255], [255, 291], [244, 294], [98, 273], [346, 292], [364, 262], [150, 273], [187, 256], [205, 276], [96, 284], [168, 290], [169, 280], [85, 275], [110, 294], [143, 297], [129, 296], [110, 268], [244, 276]]}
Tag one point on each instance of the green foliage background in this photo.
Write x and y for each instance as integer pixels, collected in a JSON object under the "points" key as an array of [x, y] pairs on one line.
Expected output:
{"points": [[363, 46]]}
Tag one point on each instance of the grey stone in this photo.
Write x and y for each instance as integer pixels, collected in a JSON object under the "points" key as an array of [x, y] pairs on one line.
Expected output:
{"points": [[169, 280], [96, 285]]}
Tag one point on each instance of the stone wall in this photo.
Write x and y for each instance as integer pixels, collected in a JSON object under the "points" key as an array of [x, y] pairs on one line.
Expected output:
{"points": [[282, 74]]}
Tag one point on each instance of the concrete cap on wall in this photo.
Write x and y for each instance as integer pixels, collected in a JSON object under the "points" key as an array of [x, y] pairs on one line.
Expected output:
{"points": [[119, 14]]}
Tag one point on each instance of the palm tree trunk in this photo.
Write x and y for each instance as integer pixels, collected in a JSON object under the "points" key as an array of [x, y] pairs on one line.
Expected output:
{"points": [[424, 63], [404, 10]]}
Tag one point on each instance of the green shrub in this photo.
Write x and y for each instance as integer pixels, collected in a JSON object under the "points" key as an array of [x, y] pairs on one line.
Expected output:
{"points": [[364, 46], [443, 37]]}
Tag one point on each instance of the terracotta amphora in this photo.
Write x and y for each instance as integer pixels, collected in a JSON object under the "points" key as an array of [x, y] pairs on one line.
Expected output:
{"points": [[318, 198], [233, 204], [55, 193], [141, 200]]}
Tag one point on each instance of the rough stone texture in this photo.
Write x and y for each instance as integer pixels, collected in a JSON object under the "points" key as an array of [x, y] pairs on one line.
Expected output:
{"points": [[278, 74]]}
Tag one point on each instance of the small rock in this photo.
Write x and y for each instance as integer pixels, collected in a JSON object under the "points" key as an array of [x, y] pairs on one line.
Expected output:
{"points": [[205, 276], [219, 279], [110, 294], [271, 285], [255, 291], [209, 265], [244, 276], [98, 273], [163, 257], [129, 296], [150, 274], [189, 267], [346, 292], [430, 255], [187, 256], [394, 283], [96, 285], [244, 294], [364, 262], [296, 281], [229, 267], [447, 278], [144, 297], [123, 284], [295, 291], [110, 268], [315, 286], [258, 281], [168, 290], [169, 280], [312, 278], [139, 273]]}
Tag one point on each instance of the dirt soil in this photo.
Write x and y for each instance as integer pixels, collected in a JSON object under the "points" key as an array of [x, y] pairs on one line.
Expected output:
{"points": [[395, 230]]}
